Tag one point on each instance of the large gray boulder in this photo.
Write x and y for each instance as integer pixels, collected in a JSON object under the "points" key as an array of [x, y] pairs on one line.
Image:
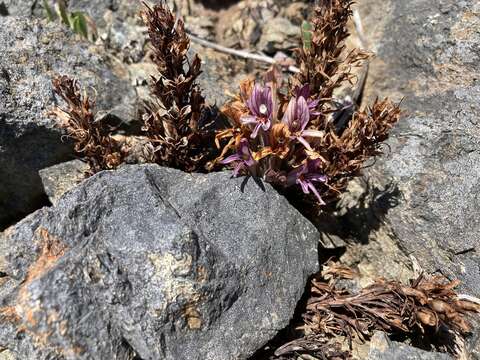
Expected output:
{"points": [[32, 52], [429, 53], [155, 262]]}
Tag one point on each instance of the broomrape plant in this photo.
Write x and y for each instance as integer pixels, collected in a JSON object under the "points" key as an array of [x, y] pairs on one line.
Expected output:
{"points": [[427, 308], [180, 134], [291, 132], [92, 137]]}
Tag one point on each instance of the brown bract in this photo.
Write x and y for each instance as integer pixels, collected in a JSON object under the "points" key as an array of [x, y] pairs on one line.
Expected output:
{"points": [[327, 64], [92, 138], [345, 154], [180, 134], [428, 308]]}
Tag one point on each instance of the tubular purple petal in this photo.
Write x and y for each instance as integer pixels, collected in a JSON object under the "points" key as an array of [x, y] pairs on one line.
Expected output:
{"points": [[303, 114], [304, 185], [296, 115], [255, 130], [237, 169], [312, 104], [230, 159], [304, 175], [260, 105], [245, 153], [268, 100], [253, 102], [289, 115], [304, 91], [266, 125], [243, 157], [316, 177]]}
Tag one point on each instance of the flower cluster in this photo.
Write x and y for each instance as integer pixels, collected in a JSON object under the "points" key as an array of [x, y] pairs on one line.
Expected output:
{"points": [[272, 137], [176, 119], [295, 134], [291, 132], [291, 141]]}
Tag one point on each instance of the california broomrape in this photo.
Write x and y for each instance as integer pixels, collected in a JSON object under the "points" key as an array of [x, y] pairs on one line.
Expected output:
{"points": [[291, 132]]}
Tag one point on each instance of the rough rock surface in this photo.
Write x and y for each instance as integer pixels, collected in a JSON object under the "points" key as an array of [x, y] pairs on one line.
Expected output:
{"points": [[381, 348], [31, 53], [220, 76], [60, 178], [154, 262], [279, 34], [16, 8], [429, 53], [95, 9]]}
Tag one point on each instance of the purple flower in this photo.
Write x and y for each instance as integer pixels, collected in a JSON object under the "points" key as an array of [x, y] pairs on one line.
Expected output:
{"points": [[304, 92], [260, 105], [243, 157], [305, 175], [296, 117]]}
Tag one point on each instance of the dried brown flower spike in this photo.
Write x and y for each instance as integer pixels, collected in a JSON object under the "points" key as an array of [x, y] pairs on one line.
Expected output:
{"points": [[174, 120], [428, 303], [325, 64], [92, 138], [347, 153]]}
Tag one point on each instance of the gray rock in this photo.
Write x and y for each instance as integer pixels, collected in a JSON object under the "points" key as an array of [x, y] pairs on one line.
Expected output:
{"points": [[381, 348], [296, 12], [423, 193], [32, 52], [7, 355], [155, 262], [201, 26], [278, 34], [220, 75], [125, 38], [95, 9], [16, 7], [60, 178], [116, 21], [429, 52]]}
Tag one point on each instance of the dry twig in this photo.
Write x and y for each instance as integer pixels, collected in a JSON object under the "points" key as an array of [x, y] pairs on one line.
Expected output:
{"points": [[242, 53]]}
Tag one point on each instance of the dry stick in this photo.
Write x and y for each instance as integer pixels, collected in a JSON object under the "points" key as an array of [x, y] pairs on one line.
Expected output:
{"points": [[267, 59], [240, 53]]}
